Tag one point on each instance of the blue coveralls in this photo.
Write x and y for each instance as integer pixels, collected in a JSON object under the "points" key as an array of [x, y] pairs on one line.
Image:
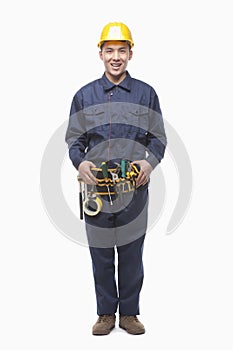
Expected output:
{"points": [[125, 227]]}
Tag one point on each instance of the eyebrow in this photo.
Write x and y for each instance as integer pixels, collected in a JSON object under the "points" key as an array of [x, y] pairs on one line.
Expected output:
{"points": [[119, 48]]}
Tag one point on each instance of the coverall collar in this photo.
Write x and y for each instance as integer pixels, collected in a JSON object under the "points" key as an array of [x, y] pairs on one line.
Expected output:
{"points": [[125, 84]]}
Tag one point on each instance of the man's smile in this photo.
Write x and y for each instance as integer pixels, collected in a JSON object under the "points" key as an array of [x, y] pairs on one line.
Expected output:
{"points": [[115, 65]]}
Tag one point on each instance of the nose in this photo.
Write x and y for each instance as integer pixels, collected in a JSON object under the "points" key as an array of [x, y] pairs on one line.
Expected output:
{"points": [[115, 55]]}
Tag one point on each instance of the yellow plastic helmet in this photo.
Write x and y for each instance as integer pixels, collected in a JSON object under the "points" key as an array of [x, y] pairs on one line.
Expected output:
{"points": [[116, 31]]}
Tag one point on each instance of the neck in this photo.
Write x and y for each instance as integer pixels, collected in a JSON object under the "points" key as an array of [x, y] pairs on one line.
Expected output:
{"points": [[115, 79]]}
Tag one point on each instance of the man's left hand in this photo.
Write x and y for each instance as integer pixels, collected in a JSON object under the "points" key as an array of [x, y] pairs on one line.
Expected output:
{"points": [[145, 171]]}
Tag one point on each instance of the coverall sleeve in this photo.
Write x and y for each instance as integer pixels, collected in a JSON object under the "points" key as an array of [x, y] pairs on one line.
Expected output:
{"points": [[76, 136], [156, 136]]}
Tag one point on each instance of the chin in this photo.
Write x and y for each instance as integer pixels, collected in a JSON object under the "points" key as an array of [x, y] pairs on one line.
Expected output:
{"points": [[116, 73]]}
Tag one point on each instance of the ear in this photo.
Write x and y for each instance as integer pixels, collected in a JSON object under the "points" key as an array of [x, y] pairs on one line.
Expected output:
{"points": [[101, 55], [130, 54]]}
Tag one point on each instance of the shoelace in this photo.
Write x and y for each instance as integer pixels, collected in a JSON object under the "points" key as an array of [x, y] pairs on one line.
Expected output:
{"points": [[105, 318], [131, 317]]}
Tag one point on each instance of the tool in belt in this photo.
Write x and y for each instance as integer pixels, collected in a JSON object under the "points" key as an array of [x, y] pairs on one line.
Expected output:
{"points": [[111, 182]]}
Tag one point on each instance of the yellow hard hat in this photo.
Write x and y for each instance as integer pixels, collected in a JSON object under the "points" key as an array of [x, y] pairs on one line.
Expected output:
{"points": [[116, 31]]}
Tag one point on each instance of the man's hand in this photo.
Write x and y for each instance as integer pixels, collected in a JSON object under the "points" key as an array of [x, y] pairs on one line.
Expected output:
{"points": [[145, 171], [84, 170]]}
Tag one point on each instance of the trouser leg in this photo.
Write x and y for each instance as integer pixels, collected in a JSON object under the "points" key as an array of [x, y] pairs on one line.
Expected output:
{"points": [[125, 229], [130, 276], [103, 262]]}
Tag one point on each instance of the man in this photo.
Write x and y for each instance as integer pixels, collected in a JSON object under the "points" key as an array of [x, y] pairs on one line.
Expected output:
{"points": [[116, 121]]}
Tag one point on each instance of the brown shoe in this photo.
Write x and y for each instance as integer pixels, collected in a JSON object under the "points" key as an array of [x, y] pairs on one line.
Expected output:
{"points": [[104, 325], [131, 324]]}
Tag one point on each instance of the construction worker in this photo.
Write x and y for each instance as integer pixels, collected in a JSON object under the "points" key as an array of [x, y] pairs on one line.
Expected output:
{"points": [[116, 120]]}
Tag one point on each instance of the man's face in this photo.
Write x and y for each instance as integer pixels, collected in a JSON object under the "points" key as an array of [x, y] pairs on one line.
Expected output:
{"points": [[115, 55]]}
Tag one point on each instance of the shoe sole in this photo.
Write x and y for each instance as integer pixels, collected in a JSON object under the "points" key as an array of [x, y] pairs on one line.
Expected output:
{"points": [[131, 332]]}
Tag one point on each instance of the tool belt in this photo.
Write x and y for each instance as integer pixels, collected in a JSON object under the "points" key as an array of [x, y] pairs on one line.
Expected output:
{"points": [[112, 182]]}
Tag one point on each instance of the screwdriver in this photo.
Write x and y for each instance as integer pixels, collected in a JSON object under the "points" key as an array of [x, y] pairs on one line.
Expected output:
{"points": [[123, 166], [105, 174]]}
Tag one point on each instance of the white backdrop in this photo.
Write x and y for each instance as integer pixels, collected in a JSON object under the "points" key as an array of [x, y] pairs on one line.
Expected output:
{"points": [[183, 49]]}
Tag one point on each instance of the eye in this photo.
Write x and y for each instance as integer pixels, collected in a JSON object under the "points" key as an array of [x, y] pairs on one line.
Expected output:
{"points": [[122, 50], [108, 50]]}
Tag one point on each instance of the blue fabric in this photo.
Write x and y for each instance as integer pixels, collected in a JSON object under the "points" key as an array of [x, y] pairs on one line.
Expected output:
{"points": [[130, 278], [120, 117], [148, 131]]}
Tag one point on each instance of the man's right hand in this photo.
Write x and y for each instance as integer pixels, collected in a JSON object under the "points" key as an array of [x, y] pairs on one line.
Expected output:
{"points": [[84, 170]]}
